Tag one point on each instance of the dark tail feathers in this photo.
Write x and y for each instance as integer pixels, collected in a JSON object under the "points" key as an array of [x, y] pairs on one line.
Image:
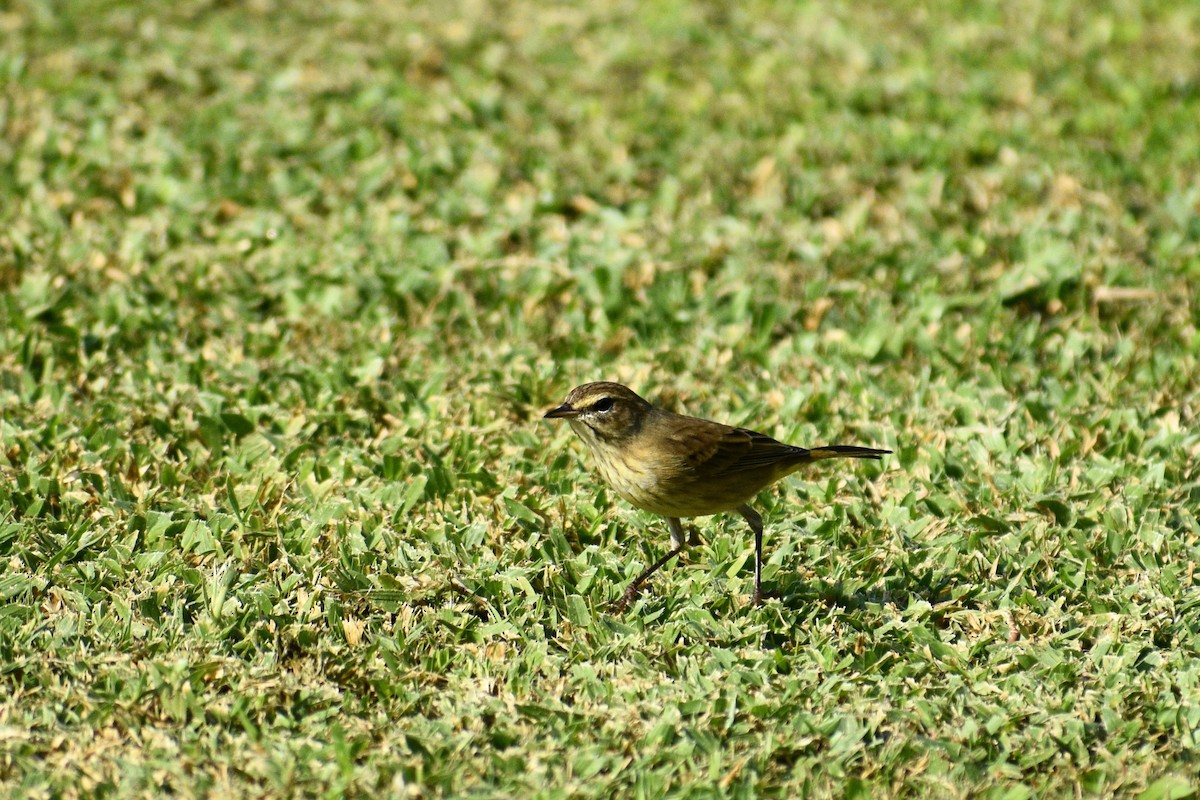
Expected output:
{"points": [[846, 451]]}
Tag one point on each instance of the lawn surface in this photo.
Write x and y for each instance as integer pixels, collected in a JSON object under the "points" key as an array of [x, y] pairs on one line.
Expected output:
{"points": [[287, 287]]}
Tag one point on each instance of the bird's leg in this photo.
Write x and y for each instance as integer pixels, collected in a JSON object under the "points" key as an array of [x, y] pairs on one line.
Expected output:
{"points": [[755, 522], [677, 543]]}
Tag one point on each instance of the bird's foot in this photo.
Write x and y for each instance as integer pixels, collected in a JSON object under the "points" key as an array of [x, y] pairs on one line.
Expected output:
{"points": [[630, 595]]}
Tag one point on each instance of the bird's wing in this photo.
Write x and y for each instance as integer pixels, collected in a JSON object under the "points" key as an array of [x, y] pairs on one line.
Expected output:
{"points": [[721, 449]]}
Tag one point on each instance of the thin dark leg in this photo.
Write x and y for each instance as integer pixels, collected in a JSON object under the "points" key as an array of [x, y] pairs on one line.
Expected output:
{"points": [[677, 543], [755, 521]]}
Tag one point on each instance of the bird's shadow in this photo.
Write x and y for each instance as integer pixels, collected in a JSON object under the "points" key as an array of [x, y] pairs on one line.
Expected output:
{"points": [[865, 610], [799, 594]]}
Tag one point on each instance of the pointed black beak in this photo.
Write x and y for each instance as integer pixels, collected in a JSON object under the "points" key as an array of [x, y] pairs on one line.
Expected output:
{"points": [[565, 410]]}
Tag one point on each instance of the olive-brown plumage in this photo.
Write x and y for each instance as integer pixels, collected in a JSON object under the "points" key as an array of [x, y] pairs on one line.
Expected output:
{"points": [[679, 466]]}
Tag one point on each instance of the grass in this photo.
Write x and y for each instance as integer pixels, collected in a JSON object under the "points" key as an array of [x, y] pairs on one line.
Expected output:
{"points": [[287, 288]]}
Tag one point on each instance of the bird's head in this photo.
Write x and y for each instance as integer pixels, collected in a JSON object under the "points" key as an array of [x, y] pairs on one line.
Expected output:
{"points": [[603, 412]]}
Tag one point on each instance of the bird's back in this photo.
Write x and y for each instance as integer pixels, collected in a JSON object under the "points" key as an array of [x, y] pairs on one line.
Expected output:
{"points": [[702, 467]]}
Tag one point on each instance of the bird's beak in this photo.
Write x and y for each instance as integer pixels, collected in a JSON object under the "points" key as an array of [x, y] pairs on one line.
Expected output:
{"points": [[563, 411]]}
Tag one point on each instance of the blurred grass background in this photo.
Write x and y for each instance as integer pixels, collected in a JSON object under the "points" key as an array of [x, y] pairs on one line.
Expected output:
{"points": [[286, 288]]}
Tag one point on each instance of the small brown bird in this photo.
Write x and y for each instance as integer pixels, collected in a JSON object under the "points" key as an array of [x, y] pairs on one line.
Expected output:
{"points": [[679, 466]]}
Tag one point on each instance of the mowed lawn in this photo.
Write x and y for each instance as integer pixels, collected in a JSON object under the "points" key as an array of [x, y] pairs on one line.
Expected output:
{"points": [[285, 289]]}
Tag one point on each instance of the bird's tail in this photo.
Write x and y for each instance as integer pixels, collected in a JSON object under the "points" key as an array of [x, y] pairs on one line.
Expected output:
{"points": [[845, 451]]}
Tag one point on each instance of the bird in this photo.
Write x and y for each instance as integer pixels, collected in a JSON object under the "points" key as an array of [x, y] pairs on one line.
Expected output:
{"points": [[680, 467]]}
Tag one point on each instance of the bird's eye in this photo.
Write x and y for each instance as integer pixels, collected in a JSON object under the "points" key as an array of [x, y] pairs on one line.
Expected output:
{"points": [[603, 405]]}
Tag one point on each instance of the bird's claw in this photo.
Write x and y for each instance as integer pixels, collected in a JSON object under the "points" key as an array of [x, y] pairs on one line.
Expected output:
{"points": [[630, 594]]}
